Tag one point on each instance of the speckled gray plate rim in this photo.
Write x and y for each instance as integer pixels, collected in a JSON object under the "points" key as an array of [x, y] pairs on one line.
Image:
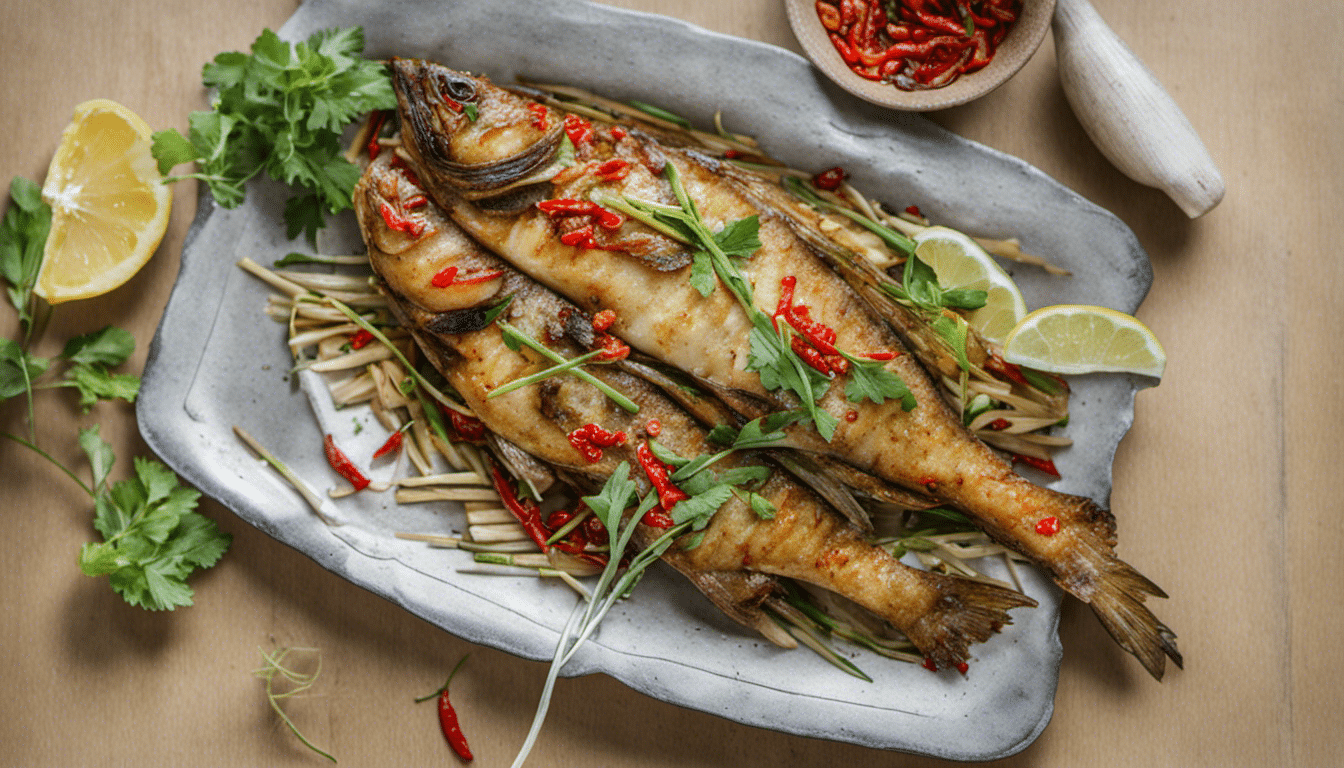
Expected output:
{"points": [[217, 362]]}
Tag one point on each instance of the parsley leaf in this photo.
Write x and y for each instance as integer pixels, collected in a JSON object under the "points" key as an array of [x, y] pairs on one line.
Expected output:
{"points": [[152, 537], [281, 109], [18, 368]]}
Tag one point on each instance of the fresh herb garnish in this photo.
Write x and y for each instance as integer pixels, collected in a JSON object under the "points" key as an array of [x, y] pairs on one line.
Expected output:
{"points": [[772, 356], [516, 339], [282, 109], [152, 537], [23, 237]]}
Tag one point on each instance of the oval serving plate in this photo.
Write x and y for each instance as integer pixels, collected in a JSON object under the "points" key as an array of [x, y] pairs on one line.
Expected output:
{"points": [[217, 361]]}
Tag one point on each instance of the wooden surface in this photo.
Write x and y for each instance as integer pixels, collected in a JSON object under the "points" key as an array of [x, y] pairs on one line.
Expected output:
{"points": [[1220, 488]]}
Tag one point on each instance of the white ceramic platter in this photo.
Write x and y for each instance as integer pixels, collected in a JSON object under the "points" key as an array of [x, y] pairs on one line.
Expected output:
{"points": [[217, 362]]}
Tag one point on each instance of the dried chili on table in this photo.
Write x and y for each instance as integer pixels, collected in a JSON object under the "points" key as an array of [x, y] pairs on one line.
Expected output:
{"points": [[448, 722]]}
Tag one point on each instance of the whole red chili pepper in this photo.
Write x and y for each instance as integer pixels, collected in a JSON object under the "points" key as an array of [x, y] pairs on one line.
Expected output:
{"points": [[452, 731], [342, 464], [468, 428], [525, 511]]}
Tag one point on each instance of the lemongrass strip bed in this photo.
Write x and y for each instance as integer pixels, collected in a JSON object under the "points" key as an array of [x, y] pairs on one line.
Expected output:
{"points": [[449, 452], [444, 478], [494, 516], [355, 389], [355, 359], [490, 534], [310, 338], [446, 494], [322, 282]]}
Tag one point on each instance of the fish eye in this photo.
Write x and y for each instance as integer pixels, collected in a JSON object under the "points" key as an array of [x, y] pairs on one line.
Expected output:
{"points": [[457, 88]]}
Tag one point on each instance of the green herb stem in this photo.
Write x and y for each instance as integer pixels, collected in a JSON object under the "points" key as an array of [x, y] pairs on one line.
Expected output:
{"points": [[33, 447], [546, 352]]}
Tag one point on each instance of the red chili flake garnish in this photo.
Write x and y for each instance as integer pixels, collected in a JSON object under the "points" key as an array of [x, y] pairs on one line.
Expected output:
{"points": [[613, 348], [996, 364], [452, 731], [606, 219], [1045, 465], [614, 169], [448, 277], [414, 201], [732, 154], [342, 464], [928, 482], [930, 665], [657, 518], [913, 210], [360, 338], [815, 342], [539, 116], [595, 531], [590, 439], [653, 428], [1048, 526], [579, 130], [397, 221], [525, 511], [659, 476], [963, 667], [466, 427], [581, 237], [603, 320], [851, 416], [830, 179], [998, 424], [392, 445], [407, 171], [376, 120]]}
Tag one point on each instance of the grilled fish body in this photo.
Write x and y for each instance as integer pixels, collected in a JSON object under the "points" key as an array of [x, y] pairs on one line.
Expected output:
{"points": [[661, 314], [806, 540]]}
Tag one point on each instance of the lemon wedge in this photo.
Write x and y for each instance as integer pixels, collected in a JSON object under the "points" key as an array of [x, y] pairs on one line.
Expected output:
{"points": [[1075, 338], [108, 208], [959, 262]]}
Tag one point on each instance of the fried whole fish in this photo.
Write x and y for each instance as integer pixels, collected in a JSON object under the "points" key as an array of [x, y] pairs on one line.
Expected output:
{"points": [[410, 242], [465, 156]]}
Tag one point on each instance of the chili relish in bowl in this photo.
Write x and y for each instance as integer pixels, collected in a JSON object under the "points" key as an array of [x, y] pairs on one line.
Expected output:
{"points": [[920, 55]]}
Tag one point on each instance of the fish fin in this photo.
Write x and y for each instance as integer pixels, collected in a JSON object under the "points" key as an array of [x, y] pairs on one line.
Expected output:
{"points": [[1117, 598], [965, 612]]}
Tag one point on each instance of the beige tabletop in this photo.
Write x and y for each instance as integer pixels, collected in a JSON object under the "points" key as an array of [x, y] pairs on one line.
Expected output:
{"points": [[1217, 486]]}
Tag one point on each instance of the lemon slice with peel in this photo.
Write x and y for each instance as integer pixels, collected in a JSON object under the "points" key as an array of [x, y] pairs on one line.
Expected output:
{"points": [[109, 209], [1075, 338], [959, 262]]}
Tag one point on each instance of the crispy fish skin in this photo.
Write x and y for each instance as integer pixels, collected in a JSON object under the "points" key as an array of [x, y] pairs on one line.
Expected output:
{"points": [[806, 540], [661, 314]]}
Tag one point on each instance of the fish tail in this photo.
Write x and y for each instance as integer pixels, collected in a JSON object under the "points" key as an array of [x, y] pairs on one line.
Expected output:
{"points": [[1117, 597], [965, 612]]}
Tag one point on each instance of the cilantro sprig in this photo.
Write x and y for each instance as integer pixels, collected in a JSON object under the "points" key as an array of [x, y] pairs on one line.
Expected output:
{"points": [[281, 109]]}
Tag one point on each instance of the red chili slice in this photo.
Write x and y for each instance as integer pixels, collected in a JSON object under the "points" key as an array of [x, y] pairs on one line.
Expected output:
{"points": [[342, 464]]}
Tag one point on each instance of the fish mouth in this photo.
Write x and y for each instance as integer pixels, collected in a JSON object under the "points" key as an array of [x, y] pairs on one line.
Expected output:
{"points": [[432, 100]]}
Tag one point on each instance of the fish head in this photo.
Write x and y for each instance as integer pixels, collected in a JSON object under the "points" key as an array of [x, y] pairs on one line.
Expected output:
{"points": [[468, 134]]}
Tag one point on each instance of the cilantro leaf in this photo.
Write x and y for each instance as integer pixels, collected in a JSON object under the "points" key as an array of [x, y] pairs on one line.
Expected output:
{"points": [[110, 346], [869, 379], [153, 538], [18, 368], [281, 109], [23, 237], [95, 382]]}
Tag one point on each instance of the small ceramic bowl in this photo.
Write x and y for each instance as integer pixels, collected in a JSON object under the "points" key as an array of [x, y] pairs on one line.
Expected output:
{"points": [[1024, 37]]}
